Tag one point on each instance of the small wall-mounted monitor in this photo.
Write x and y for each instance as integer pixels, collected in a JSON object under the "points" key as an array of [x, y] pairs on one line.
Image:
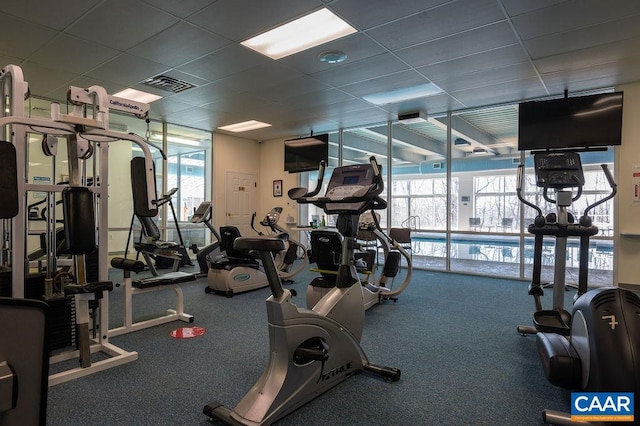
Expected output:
{"points": [[305, 154], [577, 122]]}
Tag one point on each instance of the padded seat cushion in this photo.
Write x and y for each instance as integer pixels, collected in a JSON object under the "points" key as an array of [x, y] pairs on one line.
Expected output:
{"points": [[94, 287]]}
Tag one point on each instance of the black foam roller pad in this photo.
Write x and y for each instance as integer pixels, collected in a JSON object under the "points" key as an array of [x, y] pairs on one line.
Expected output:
{"points": [[79, 220], [8, 181]]}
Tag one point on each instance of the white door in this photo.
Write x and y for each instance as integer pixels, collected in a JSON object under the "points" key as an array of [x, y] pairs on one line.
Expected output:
{"points": [[241, 201]]}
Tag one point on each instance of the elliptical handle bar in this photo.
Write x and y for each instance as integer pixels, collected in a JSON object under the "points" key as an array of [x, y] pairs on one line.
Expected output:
{"points": [[612, 184], [298, 193], [519, 182]]}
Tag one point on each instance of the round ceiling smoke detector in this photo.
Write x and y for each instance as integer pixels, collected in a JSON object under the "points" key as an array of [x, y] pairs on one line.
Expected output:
{"points": [[332, 56]]}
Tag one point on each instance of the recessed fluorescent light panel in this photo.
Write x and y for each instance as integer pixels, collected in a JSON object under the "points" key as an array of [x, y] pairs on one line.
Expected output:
{"points": [[303, 33], [137, 95], [176, 139], [244, 126], [405, 94]]}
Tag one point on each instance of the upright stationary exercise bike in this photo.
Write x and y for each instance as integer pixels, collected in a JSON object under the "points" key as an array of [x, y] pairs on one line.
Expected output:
{"points": [[312, 350], [596, 347]]}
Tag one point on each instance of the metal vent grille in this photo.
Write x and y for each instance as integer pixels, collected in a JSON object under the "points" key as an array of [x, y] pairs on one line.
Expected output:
{"points": [[169, 84]]}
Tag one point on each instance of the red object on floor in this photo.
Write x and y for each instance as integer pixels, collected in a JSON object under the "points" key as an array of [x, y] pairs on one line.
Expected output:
{"points": [[187, 332]]}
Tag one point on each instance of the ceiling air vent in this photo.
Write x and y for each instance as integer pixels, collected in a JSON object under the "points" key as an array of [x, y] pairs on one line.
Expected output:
{"points": [[169, 84]]}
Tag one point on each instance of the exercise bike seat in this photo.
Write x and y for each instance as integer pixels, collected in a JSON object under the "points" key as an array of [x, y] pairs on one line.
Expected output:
{"points": [[272, 243]]}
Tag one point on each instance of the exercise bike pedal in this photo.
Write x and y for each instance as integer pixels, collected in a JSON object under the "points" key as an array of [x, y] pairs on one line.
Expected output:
{"points": [[215, 410], [390, 374]]}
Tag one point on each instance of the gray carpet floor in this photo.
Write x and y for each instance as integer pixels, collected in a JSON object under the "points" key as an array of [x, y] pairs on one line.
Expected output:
{"points": [[453, 336]]}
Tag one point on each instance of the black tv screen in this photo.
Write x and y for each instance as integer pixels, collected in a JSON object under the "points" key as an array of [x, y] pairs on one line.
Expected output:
{"points": [[305, 154], [578, 122]]}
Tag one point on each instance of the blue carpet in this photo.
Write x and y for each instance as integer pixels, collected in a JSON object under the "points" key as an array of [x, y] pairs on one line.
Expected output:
{"points": [[453, 336]]}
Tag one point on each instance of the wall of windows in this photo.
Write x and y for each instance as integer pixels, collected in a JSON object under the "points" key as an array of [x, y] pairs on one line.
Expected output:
{"points": [[452, 179]]}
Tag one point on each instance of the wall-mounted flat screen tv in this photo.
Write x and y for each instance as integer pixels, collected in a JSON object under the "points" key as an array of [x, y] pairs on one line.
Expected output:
{"points": [[305, 154], [576, 122]]}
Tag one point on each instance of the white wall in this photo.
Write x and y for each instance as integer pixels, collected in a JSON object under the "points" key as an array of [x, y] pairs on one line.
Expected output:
{"points": [[272, 168], [627, 238], [232, 154]]}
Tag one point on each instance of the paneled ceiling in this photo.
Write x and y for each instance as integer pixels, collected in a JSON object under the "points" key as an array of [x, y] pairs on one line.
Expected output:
{"points": [[480, 52]]}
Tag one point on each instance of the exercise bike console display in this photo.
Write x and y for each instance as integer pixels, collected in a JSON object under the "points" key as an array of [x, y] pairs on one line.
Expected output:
{"points": [[351, 190], [558, 170]]}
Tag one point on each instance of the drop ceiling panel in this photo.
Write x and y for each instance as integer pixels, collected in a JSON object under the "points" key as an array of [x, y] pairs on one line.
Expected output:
{"points": [[626, 70], [378, 12], [470, 47], [357, 46], [487, 77], [514, 91], [127, 70], [60, 92], [264, 75], [190, 115], [571, 15], [586, 37], [336, 108], [584, 58], [431, 105], [459, 45], [243, 105], [165, 106], [386, 83], [459, 68], [291, 88], [225, 62], [206, 94], [121, 24], [364, 69], [436, 23], [178, 44], [41, 78], [69, 53], [182, 8], [240, 20], [518, 7], [53, 14], [323, 98], [20, 38]]}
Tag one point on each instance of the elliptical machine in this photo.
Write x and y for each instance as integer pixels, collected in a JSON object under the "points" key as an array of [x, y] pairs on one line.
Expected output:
{"points": [[596, 347], [377, 289], [312, 350], [293, 251], [203, 214]]}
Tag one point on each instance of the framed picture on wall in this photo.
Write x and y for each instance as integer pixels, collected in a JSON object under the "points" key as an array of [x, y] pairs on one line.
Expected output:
{"points": [[277, 188]]}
